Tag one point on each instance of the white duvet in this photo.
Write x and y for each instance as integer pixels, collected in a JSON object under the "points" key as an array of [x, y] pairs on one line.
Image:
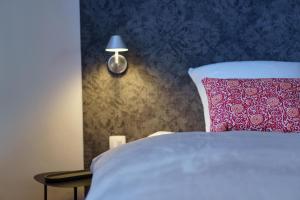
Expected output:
{"points": [[228, 166]]}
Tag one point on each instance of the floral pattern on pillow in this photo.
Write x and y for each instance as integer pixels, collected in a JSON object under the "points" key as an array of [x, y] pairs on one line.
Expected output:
{"points": [[254, 104]]}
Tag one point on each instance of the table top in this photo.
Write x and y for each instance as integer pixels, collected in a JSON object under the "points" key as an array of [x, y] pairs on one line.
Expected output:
{"points": [[66, 184]]}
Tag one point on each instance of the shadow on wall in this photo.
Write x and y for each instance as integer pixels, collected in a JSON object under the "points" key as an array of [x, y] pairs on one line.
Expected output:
{"points": [[137, 104]]}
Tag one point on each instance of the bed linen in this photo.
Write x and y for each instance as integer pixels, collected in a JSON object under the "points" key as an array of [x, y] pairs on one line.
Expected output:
{"points": [[254, 104], [240, 69], [205, 166]]}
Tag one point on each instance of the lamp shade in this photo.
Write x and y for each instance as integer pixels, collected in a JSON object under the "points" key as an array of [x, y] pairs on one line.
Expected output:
{"points": [[116, 44]]}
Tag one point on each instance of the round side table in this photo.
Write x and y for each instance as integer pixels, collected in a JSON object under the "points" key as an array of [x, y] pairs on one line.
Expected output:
{"points": [[84, 182]]}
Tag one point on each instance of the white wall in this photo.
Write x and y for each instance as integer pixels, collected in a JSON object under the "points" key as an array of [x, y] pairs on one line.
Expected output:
{"points": [[40, 95]]}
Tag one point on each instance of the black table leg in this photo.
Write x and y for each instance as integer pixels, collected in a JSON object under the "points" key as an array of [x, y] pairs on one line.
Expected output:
{"points": [[75, 193], [45, 192], [86, 190]]}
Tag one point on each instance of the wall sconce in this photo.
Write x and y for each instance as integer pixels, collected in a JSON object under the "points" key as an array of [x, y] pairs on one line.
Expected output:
{"points": [[117, 64]]}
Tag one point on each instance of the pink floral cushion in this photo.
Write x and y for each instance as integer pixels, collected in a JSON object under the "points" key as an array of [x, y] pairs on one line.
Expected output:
{"points": [[254, 104]]}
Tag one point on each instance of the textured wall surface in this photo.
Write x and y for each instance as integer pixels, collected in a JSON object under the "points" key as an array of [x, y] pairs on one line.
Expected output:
{"points": [[165, 38]]}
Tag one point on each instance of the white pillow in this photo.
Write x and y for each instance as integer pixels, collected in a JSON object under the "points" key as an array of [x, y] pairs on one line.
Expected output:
{"points": [[160, 133], [240, 69]]}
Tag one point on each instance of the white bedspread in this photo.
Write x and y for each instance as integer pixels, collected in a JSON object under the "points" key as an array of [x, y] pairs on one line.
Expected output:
{"points": [[192, 166]]}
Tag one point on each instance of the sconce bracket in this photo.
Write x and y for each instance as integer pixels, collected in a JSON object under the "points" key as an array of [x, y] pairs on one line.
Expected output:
{"points": [[117, 64]]}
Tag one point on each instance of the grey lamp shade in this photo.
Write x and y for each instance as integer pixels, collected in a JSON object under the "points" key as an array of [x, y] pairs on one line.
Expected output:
{"points": [[116, 44]]}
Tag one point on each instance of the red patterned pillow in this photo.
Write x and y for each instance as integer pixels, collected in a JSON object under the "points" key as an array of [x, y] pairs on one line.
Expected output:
{"points": [[254, 104]]}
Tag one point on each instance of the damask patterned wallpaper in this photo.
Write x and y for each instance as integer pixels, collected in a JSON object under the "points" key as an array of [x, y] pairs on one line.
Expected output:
{"points": [[165, 38]]}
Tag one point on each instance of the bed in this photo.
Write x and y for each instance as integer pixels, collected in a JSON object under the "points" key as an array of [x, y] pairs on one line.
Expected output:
{"points": [[232, 164]]}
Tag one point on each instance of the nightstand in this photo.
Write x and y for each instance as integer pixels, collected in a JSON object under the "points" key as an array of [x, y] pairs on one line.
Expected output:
{"points": [[70, 182]]}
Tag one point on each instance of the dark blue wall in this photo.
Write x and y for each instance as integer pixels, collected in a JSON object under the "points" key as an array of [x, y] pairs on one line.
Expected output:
{"points": [[165, 38]]}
